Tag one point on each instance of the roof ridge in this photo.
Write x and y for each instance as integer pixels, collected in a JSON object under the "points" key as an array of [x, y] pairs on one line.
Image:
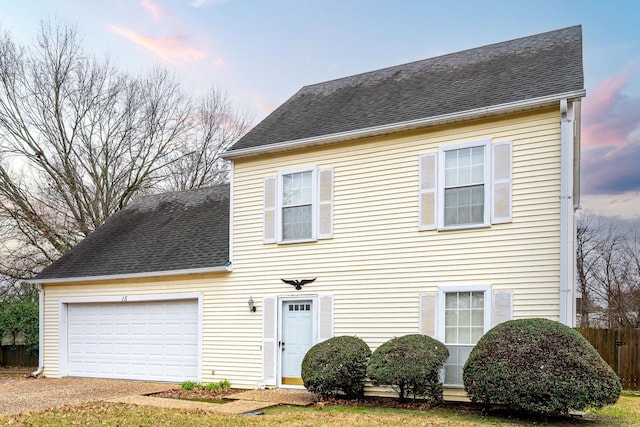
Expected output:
{"points": [[440, 59]]}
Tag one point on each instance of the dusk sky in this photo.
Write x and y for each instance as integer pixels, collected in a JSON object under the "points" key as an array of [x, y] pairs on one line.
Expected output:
{"points": [[261, 52]]}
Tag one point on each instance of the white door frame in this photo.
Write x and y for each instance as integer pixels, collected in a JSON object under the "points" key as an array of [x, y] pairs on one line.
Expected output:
{"points": [[314, 316], [63, 346]]}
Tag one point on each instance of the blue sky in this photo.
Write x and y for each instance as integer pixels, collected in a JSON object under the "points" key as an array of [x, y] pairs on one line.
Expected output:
{"points": [[262, 51]]}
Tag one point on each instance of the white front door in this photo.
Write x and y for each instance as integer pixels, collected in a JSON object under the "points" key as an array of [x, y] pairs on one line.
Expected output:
{"points": [[296, 339]]}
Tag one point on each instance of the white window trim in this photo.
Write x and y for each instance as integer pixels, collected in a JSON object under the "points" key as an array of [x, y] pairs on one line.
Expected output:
{"points": [[440, 320], [314, 204], [440, 183]]}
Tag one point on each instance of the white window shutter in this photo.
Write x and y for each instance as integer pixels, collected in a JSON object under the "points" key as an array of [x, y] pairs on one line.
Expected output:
{"points": [[501, 307], [428, 205], [325, 203], [269, 338], [269, 206], [428, 313], [501, 183], [325, 317]]}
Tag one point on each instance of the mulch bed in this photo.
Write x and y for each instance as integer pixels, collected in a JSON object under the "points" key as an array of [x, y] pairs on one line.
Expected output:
{"points": [[196, 394], [390, 402], [387, 402]]}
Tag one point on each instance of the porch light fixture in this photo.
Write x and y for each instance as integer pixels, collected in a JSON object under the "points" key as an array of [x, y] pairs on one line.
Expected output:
{"points": [[252, 306]]}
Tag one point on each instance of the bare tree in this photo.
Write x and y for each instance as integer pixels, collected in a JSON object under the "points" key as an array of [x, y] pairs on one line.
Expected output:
{"points": [[585, 246], [216, 126], [608, 264], [79, 139]]}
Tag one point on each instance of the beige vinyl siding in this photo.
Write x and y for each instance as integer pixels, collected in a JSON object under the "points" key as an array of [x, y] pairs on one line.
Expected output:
{"points": [[378, 262], [226, 317]]}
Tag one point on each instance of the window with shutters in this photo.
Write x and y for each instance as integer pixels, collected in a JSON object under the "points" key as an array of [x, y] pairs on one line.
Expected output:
{"points": [[465, 185], [465, 314], [298, 205]]}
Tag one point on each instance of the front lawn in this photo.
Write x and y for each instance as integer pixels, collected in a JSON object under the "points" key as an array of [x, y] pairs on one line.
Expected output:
{"points": [[625, 413]]}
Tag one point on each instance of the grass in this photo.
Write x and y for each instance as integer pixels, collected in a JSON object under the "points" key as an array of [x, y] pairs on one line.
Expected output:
{"points": [[625, 413]]}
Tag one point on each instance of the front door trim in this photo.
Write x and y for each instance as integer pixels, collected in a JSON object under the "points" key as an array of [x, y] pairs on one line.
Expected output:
{"points": [[314, 316]]}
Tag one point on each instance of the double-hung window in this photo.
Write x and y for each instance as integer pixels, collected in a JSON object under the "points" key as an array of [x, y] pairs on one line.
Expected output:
{"points": [[465, 185], [465, 320], [297, 206], [458, 315]]}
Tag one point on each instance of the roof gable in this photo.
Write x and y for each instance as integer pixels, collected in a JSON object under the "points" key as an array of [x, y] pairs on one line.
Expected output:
{"points": [[527, 68], [164, 232]]}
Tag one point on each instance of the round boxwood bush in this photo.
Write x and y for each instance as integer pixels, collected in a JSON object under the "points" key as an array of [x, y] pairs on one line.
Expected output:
{"points": [[538, 366], [336, 366], [411, 365]]}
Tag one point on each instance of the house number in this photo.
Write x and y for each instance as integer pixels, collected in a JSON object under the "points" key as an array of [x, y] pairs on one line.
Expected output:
{"points": [[124, 298]]}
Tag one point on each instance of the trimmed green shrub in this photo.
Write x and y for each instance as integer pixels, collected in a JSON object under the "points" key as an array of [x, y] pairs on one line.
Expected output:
{"points": [[538, 366], [336, 366], [411, 365]]}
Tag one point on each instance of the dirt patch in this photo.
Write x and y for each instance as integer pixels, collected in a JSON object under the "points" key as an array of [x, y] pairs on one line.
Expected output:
{"points": [[15, 372]]}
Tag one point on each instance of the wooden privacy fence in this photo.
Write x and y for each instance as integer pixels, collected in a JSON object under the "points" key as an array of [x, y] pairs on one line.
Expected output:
{"points": [[620, 348], [16, 355]]}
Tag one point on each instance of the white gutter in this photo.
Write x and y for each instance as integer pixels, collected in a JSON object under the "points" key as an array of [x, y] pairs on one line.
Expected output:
{"points": [[474, 114], [40, 331], [567, 215], [221, 269]]}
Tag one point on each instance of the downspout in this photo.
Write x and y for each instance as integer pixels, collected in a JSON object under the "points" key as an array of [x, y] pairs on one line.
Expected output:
{"points": [[567, 215], [40, 331]]}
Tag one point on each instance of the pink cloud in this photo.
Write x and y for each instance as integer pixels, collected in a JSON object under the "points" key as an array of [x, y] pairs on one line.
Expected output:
{"points": [[155, 9], [601, 115], [174, 49], [611, 137]]}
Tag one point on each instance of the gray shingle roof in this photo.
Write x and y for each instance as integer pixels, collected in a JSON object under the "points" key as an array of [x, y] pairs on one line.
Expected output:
{"points": [[526, 68], [163, 232]]}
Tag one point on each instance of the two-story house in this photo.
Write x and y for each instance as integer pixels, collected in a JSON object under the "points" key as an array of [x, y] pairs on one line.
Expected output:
{"points": [[435, 197]]}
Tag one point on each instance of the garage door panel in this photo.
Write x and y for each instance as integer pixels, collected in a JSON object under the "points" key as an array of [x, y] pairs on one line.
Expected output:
{"points": [[143, 340]]}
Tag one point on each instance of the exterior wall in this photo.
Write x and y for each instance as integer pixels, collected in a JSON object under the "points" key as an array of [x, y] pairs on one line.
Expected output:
{"points": [[378, 262], [231, 334]]}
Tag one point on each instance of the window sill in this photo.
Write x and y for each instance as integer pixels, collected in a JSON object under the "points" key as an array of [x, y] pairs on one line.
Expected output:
{"points": [[464, 227], [293, 242]]}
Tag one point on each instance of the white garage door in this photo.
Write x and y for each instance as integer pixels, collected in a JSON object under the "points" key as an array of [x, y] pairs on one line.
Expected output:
{"points": [[155, 341]]}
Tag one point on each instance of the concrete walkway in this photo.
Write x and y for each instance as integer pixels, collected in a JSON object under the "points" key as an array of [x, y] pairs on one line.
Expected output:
{"points": [[243, 402], [28, 394]]}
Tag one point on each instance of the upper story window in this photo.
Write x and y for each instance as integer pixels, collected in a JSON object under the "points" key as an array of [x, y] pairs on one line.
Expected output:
{"points": [[465, 185], [298, 205]]}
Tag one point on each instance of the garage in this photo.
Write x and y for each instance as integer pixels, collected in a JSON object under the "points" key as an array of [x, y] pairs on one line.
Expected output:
{"points": [[145, 340]]}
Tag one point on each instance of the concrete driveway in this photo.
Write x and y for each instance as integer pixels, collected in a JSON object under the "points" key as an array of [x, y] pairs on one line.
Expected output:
{"points": [[30, 394]]}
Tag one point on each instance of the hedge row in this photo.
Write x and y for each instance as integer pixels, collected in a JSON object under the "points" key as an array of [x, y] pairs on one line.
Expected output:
{"points": [[536, 366], [410, 364]]}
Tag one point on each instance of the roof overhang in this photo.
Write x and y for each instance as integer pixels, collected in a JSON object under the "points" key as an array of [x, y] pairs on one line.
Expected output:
{"points": [[475, 114], [143, 275]]}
